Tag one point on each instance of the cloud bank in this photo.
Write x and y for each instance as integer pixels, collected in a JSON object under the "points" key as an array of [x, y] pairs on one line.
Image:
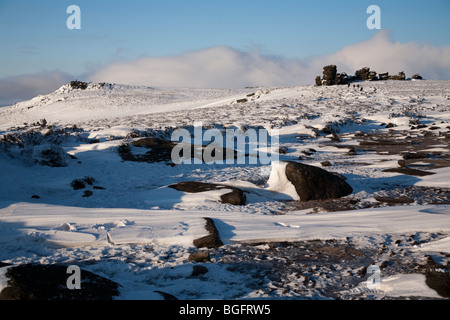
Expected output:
{"points": [[225, 67], [229, 68], [383, 55], [19, 88]]}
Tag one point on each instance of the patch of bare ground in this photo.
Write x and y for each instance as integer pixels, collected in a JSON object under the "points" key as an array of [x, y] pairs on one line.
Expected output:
{"points": [[332, 268]]}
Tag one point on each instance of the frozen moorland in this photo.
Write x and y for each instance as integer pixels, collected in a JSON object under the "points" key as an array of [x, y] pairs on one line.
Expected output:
{"points": [[83, 185]]}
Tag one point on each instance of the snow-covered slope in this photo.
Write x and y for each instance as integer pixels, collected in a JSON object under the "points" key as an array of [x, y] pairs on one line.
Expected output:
{"points": [[67, 106], [127, 224]]}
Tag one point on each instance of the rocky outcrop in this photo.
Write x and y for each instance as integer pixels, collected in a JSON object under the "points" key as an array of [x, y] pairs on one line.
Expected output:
{"points": [[78, 85], [313, 183], [332, 77]]}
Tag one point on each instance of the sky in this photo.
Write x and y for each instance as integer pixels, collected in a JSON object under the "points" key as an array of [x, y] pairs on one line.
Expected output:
{"points": [[212, 43]]}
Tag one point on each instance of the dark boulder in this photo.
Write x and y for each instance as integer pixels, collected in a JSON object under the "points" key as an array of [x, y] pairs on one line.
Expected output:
{"points": [[329, 75], [318, 81], [417, 77], [201, 256], [212, 240], [49, 282], [313, 183], [235, 197], [439, 281], [362, 74], [199, 270], [78, 184]]}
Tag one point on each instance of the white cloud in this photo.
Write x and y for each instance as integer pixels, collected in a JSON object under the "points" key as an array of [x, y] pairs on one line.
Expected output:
{"points": [[383, 55], [227, 67], [224, 67], [213, 67], [19, 88]]}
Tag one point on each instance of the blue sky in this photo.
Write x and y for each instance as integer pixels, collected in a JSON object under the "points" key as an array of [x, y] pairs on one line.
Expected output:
{"points": [[34, 37]]}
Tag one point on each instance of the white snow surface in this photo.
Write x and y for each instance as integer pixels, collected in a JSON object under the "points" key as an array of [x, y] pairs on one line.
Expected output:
{"points": [[129, 224]]}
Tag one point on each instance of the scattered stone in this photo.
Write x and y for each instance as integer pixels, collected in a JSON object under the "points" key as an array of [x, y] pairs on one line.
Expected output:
{"points": [[199, 270], [340, 252], [78, 184], [410, 172], [329, 205], [326, 163], [87, 194], [393, 201], [414, 155], [283, 150], [351, 151], [201, 256]]}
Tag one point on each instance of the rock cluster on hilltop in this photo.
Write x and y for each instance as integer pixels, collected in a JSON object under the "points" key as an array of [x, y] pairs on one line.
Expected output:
{"points": [[331, 77]]}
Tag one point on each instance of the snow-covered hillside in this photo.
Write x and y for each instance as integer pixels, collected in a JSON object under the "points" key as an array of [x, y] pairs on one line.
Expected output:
{"points": [[79, 186]]}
